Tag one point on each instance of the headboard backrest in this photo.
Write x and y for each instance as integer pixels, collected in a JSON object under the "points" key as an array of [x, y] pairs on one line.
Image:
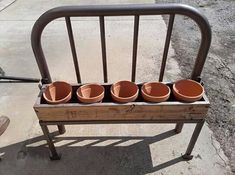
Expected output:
{"points": [[120, 10]]}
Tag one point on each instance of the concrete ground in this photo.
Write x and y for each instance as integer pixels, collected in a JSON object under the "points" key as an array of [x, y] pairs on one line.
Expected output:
{"points": [[91, 149]]}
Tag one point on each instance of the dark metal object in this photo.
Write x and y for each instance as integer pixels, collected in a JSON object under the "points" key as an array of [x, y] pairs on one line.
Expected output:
{"points": [[61, 129], [193, 140], [53, 154], [22, 79], [116, 121], [178, 127], [121, 10], [103, 46], [135, 46], [73, 49], [166, 47]]}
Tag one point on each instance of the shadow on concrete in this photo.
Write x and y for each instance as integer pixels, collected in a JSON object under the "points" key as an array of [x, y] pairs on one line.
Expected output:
{"points": [[85, 155]]}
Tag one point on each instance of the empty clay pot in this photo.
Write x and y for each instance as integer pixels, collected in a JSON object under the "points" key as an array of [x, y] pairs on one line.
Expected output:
{"points": [[58, 92], [155, 92], [124, 91], [188, 90], [90, 93]]}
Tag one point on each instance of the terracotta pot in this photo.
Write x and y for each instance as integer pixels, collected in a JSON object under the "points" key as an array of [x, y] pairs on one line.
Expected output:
{"points": [[58, 92], [124, 91], [188, 90], [90, 93], [155, 92]]}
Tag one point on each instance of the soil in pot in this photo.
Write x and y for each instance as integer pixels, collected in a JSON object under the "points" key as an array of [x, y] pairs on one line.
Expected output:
{"points": [[188, 90], [124, 91], [58, 92], [90, 93], [155, 92]]}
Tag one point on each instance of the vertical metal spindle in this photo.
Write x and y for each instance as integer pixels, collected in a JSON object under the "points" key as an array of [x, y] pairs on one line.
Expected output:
{"points": [[73, 49], [103, 47], [166, 47], [193, 140], [53, 153], [61, 129], [135, 46]]}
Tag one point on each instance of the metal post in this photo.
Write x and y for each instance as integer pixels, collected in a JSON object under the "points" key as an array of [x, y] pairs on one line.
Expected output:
{"points": [[61, 129], [23, 79], [53, 153], [73, 48], [178, 127], [166, 47], [193, 140], [135, 47], [103, 47]]}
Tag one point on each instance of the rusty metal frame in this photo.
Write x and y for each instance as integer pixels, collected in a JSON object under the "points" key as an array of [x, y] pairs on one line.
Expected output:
{"points": [[18, 79], [121, 10]]}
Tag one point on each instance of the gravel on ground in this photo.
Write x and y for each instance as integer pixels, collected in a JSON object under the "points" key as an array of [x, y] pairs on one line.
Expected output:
{"points": [[219, 71]]}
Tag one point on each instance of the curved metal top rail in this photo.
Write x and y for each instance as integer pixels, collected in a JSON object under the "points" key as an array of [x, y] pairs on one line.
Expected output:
{"points": [[119, 10]]}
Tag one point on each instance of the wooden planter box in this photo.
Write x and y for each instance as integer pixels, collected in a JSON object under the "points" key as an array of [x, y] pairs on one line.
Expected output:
{"points": [[108, 110]]}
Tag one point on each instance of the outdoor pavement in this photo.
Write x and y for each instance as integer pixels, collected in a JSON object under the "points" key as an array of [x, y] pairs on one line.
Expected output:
{"points": [[91, 149]]}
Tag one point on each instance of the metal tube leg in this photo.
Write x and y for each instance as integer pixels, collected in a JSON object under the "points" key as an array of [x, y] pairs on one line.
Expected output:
{"points": [[193, 140], [53, 153], [178, 127], [61, 129]]}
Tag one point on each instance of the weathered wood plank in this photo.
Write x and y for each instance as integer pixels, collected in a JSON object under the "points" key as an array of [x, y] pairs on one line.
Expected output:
{"points": [[121, 112], [113, 111]]}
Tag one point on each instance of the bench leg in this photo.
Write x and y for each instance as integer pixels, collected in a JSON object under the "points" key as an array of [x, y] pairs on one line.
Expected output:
{"points": [[178, 127], [53, 153], [193, 140], [61, 129]]}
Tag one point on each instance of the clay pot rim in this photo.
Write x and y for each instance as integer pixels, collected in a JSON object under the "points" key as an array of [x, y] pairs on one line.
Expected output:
{"points": [[58, 101], [124, 98], [155, 97], [185, 96], [102, 94]]}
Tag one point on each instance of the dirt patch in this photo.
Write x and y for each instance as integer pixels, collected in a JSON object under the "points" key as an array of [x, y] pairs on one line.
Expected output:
{"points": [[219, 71]]}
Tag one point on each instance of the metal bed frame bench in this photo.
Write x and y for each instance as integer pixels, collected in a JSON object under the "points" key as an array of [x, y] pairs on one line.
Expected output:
{"points": [[139, 111]]}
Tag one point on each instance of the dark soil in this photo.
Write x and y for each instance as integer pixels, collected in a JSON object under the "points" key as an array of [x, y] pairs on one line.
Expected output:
{"points": [[219, 71]]}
